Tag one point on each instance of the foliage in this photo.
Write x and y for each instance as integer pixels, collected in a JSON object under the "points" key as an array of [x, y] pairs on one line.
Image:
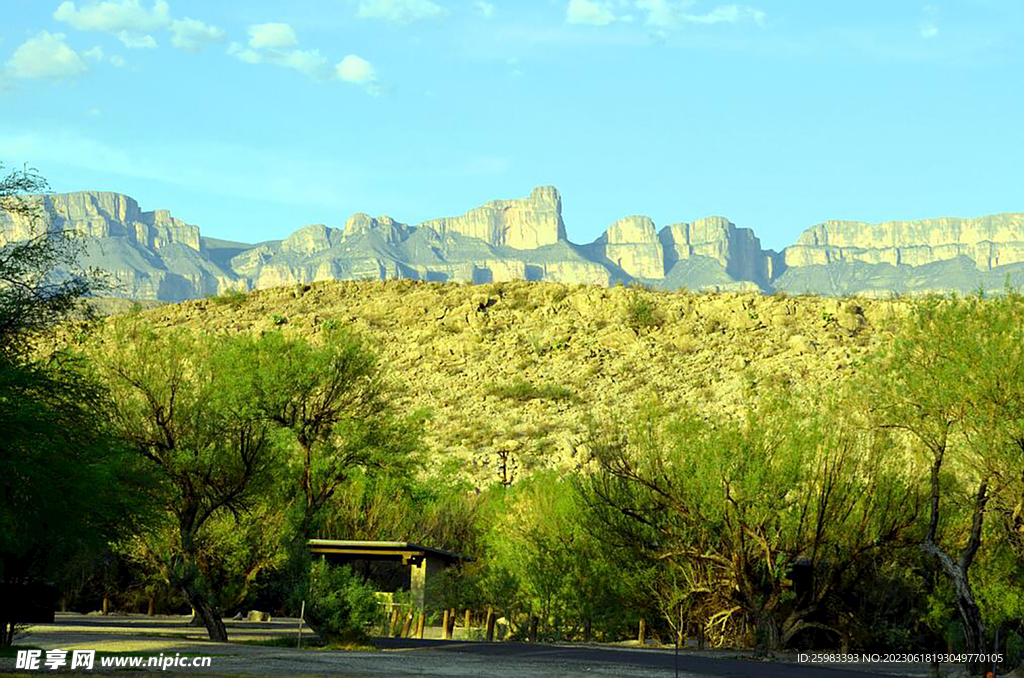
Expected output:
{"points": [[339, 605], [641, 311], [66, 484], [178, 401], [950, 380], [740, 514], [40, 281], [522, 391], [230, 297]]}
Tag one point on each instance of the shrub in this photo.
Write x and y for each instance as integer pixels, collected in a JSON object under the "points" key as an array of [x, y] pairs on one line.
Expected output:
{"points": [[641, 312], [340, 606], [232, 298], [523, 390]]}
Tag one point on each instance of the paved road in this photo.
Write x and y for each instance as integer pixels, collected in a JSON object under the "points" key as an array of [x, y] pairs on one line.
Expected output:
{"points": [[408, 657]]}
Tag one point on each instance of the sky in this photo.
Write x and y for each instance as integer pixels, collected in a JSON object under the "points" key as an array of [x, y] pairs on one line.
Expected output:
{"points": [[252, 119]]}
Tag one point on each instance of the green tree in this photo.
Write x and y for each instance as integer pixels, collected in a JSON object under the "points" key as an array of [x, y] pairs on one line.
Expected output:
{"points": [[733, 512], [179, 404], [950, 378], [66, 484], [330, 401]]}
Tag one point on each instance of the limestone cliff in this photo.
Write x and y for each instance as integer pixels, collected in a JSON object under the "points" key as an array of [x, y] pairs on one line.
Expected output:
{"points": [[989, 242], [738, 250], [631, 243], [520, 224], [154, 255]]}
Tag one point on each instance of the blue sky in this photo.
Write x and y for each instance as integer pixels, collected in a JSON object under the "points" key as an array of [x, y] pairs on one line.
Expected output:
{"points": [[252, 119]]}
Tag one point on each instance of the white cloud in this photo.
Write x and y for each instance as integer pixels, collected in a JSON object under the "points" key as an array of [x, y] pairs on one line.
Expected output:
{"points": [[308, 62], [591, 12], [45, 56], [400, 11], [486, 9], [275, 35], [95, 53], [117, 60], [130, 21], [929, 30], [132, 41], [669, 14], [193, 35], [356, 70]]}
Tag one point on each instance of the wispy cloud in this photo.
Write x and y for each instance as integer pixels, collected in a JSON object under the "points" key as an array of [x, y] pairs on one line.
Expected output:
{"points": [[590, 12], [275, 35], [134, 24], [277, 44], [928, 28], [46, 56], [400, 11], [486, 9], [676, 13], [193, 35]]}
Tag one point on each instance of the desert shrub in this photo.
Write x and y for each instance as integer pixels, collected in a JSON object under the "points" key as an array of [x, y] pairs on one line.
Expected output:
{"points": [[641, 312], [232, 298], [340, 605], [523, 390]]}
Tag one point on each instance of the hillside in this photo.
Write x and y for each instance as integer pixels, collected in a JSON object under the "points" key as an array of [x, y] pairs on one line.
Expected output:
{"points": [[517, 368]]}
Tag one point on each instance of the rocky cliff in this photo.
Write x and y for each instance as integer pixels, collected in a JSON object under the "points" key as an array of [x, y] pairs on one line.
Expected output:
{"points": [[520, 224], [154, 255], [990, 242]]}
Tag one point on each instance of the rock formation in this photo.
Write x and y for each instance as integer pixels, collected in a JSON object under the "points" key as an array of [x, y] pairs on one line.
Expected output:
{"points": [[520, 224], [153, 255], [989, 242]]}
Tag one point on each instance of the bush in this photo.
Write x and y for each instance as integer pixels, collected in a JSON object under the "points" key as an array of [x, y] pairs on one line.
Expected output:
{"points": [[232, 298], [340, 606], [641, 312], [523, 390]]}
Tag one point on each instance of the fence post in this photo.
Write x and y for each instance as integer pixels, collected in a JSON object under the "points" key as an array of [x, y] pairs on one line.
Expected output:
{"points": [[444, 626], [490, 625], [642, 634]]}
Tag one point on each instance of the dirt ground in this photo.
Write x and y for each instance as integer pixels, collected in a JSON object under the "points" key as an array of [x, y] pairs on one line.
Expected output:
{"points": [[456, 659]]}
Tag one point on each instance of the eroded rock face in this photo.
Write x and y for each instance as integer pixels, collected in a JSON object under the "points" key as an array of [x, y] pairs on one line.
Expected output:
{"points": [[989, 242], [632, 244], [737, 249], [523, 224], [154, 255], [102, 215]]}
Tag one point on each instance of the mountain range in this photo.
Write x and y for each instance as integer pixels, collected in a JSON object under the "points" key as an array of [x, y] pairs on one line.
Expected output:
{"points": [[154, 255]]}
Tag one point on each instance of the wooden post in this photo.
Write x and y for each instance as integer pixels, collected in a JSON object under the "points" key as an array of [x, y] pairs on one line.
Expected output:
{"points": [[467, 624], [534, 622], [451, 621], [152, 607], [641, 636], [106, 606], [392, 620], [444, 626], [490, 625], [419, 625], [407, 624]]}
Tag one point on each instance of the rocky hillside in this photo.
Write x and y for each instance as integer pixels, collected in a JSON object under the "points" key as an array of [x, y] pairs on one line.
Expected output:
{"points": [[512, 371], [156, 256]]}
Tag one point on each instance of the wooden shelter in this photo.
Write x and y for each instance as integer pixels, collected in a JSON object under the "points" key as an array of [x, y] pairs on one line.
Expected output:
{"points": [[405, 563]]}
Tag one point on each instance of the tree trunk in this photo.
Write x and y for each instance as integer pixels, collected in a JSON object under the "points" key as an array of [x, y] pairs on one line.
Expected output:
{"points": [[151, 611], [209, 616], [767, 633]]}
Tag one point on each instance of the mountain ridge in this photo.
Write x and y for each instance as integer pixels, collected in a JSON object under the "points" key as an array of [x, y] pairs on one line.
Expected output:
{"points": [[154, 255]]}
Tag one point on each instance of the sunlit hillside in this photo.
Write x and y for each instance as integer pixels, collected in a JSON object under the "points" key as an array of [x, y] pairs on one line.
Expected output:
{"points": [[513, 371]]}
